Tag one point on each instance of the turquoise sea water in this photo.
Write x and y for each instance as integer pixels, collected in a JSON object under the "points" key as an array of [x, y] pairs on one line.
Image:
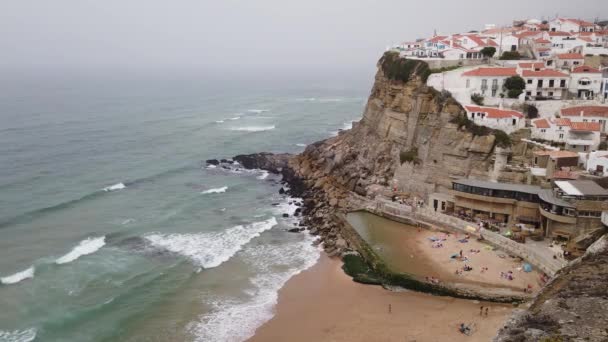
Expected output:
{"points": [[112, 228]]}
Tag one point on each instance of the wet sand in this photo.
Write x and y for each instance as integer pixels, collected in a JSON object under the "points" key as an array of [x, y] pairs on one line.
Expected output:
{"points": [[324, 304]]}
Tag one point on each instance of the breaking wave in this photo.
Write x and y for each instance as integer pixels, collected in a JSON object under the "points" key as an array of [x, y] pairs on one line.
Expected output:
{"points": [[257, 111], [18, 335], [15, 278], [85, 247], [253, 128], [117, 186], [219, 121], [264, 175], [210, 250], [234, 319], [216, 190]]}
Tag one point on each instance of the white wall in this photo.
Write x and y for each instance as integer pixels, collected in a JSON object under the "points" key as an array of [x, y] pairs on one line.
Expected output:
{"points": [[595, 79]]}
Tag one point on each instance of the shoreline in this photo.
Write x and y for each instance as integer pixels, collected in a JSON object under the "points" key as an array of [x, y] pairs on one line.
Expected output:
{"points": [[322, 303]]}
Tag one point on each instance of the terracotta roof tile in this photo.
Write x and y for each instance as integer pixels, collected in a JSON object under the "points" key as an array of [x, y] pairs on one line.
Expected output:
{"points": [[558, 34], [491, 72], [532, 65], [541, 123], [601, 111], [495, 113], [542, 41], [585, 69], [585, 126], [565, 174], [543, 73], [570, 56], [562, 122]]}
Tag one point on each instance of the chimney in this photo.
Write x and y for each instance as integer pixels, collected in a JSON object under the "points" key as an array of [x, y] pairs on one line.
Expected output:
{"points": [[582, 112]]}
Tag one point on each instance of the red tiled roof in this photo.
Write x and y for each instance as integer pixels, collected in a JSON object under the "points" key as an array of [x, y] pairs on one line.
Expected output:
{"points": [[585, 126], [585, 69], [532, 65], [541, 123], [558, 33], [544, 49], [585, 33], [570, 56], [586, 39], [481, 41], [495, 113], [586, 110], [525, 34], [565, 174], [491, 72], [578, 22], [562, 122], [543, 73], [542, 41], [437, 39]]}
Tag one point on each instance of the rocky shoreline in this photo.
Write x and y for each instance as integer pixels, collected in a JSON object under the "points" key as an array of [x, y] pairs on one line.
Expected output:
{"points": [[317, 207]]}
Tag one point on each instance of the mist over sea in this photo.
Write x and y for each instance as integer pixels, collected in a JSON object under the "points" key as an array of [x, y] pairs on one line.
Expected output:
{"points": [[112, 228]]}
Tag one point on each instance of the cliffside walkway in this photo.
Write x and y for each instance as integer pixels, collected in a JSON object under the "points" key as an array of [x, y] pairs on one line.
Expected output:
{"points": [[542, 260]]}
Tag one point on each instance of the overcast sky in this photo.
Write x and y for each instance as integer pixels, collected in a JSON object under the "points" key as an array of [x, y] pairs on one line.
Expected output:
{"points": [[242, 34]]}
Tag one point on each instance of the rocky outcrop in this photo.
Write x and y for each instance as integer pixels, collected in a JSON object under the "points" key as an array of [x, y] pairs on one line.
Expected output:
{"points": [[572, 307]]}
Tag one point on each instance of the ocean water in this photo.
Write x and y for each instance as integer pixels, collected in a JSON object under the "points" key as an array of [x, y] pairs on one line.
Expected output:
{"points": [[112, 228]]}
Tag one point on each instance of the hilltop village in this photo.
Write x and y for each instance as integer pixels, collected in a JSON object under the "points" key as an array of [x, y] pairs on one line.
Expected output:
{"points": [[546, 82]]}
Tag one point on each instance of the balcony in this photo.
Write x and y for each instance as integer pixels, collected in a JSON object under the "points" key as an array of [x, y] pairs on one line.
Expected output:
{"points": [[579, 142], [556, 217]]}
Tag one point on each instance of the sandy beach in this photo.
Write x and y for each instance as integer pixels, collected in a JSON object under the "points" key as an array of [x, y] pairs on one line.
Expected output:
{"points": [[324, 304]]}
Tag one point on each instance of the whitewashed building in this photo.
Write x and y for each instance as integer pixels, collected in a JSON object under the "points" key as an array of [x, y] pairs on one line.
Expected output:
{"points": [[597, 163], [585, 82], [577, 136], [587, 114], [487, 81], [505, 120], [571, 25], [568, 60], [545, 84]]}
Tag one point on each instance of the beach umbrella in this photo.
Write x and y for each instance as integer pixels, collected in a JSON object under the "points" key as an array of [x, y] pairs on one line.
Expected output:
{"points": [[527, 267]]}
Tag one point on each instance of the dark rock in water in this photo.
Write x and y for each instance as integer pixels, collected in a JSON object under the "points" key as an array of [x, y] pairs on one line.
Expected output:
{"points": [[276, 204], [224, 161], [294, 230], [274, 163], [285, 215], [212, 161], [281, 191], [298, 210], [225, 167], [296, 214]]}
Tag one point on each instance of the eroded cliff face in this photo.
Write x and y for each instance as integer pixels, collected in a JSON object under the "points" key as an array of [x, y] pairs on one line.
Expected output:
{"points": [[400, 117]]}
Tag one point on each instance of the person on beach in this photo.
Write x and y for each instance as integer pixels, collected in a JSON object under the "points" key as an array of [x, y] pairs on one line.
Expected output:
{"points": [[487, 311], [461, 254], [390, 309], [481, 310]]}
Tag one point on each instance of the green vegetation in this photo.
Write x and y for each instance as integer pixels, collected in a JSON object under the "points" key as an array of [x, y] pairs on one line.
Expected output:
{"points": [[409, 156], [477, 99], [401, 69], [444, 69], [502, 139], [488, 51], [603, 145], [355, 266], [510, 55], [531, 111], [514, 85]]}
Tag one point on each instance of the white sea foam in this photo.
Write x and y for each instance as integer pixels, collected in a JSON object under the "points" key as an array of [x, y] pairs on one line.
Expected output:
{"points": [[219, 121], [257, 111], [216, 190], [117, 186], [345, 126], [237, 319], [211, 249], [211, 166], [18, 335], [235, 118], [301, 145], [85, 247], [253, 128], [17, 277], [263, 175]]}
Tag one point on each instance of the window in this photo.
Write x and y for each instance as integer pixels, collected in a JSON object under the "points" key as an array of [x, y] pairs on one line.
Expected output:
{"points": [[514, 122], [528, 93], [550, 93], [586, 213], [542, 131], [540, 84], [551, 83], [585, 148], [539, 93], [562, 83], [529, 81], [561, 136]]}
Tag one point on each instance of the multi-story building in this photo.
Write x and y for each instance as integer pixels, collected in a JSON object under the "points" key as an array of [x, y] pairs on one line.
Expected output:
{"points": [[587, 114], [585, 82], [506, 120], [487, 81], [572, 208], [502, 202], [554, 161], [568, 60], [571, 25], [545, 84]]}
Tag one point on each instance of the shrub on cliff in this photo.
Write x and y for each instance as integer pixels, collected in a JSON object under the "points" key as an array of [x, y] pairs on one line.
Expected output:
{"points": [[401, 69], [502, 139], [531, 111], [477, 99], [409, 156]]}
